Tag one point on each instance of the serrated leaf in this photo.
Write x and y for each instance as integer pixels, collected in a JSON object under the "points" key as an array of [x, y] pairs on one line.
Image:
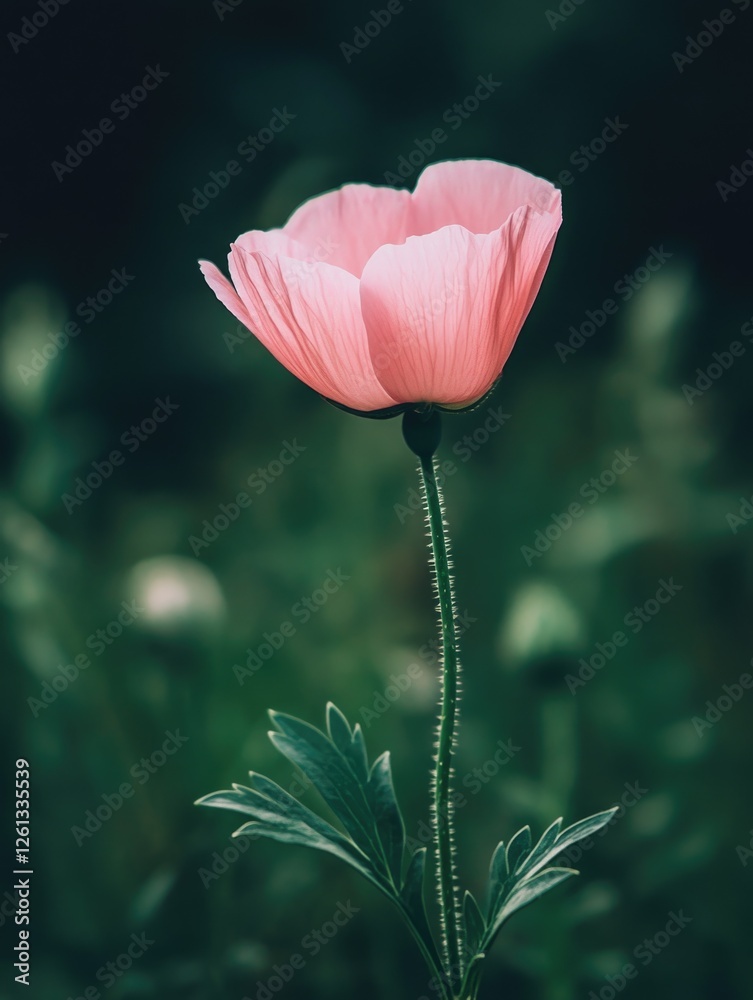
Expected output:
{"points": [[282, 817], [287, 834], [338, 729], [498, 866], [352, 748], [519, 876], [362, 799], [266, 798], [412, 901], [580, 830], [380, 793], [518, 848], [502, 873], [321, 762], [474, 923], [533, 862], [571, 835], [524, 893], [359, 747], [497, 878]]}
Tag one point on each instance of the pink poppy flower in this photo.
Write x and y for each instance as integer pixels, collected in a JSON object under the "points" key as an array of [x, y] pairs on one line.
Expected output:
{"points": [[376, 297]]}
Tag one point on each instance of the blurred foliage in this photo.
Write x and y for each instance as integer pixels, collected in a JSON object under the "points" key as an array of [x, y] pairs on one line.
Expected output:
{"points": [[344, 505]]}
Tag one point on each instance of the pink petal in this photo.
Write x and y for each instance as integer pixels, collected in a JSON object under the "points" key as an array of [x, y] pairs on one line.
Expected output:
{"points": [[224, 291], [443, 311], [308, 315], [477, 194], [273, 242], [346, 226]]}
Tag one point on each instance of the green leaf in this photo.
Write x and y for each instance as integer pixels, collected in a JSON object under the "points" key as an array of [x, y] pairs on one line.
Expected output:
{"points": [[518, 848], [279, 816], [578, 831], [553, 843], [474, 924], [503, 866], [333, 777], [497, 878], [361, 798], [412, 902], [268, 802], [359, 748], [519, 875], [526, 892], [498, 866], [380, 793], [548, 838], [350, 744]]}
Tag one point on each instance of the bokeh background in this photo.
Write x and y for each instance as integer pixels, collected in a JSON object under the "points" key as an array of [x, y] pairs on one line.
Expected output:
{"points": [[637, 732]]}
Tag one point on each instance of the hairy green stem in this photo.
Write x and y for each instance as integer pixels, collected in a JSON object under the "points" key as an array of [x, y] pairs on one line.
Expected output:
{"points": [[447, 883]]}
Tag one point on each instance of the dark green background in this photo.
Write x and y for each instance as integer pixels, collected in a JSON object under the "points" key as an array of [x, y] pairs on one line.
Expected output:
{"points": [[335, 507]]}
